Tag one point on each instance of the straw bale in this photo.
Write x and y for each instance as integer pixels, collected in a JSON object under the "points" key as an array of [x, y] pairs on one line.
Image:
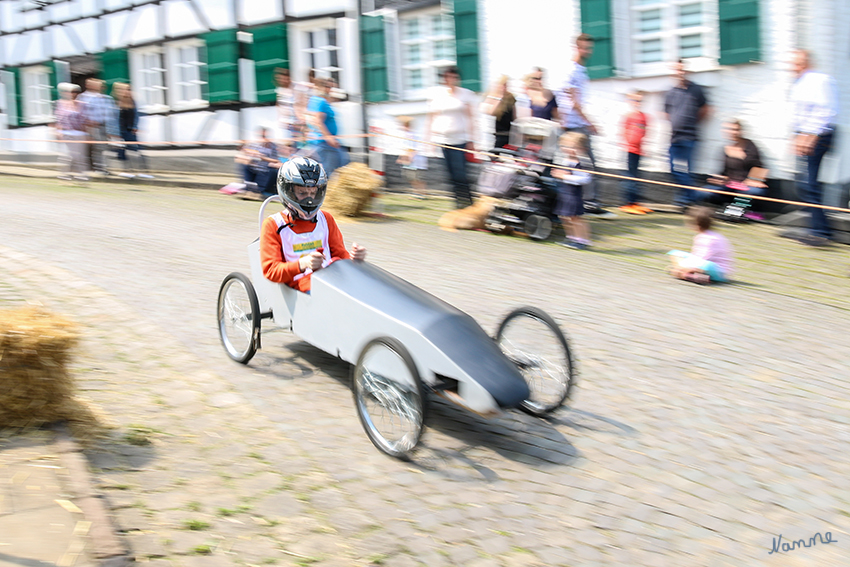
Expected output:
{"points": [[35, 385], [350, 190]]}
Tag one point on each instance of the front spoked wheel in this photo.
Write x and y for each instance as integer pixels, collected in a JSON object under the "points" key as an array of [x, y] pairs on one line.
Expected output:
{"points": [[389, 397], [533, 341], [238, 317]]}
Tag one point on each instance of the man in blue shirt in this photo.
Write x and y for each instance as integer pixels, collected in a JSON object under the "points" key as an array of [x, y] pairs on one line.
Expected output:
{"points": [[814, 97], [685, 106], [323, 128]]}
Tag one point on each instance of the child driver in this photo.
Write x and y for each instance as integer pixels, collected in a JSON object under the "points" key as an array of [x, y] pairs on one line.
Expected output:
{"points": [[296, 243]]}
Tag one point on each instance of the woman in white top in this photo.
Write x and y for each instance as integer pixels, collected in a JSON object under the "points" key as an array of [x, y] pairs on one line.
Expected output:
{"points": [[452, 124]]}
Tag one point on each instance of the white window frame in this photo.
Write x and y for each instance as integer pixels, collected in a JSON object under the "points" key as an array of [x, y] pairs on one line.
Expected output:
{"points": [[37, 94], [318, 56], [428, 64], [670, 36], [148, 79], [299, 51], [174, 72]]}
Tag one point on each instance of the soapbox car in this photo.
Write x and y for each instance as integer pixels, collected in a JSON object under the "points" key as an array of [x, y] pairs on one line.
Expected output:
{"points": [[403, 343]]}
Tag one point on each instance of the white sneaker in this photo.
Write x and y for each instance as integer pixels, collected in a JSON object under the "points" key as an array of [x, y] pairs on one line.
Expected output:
{"points": [[64, 177], [81, 178], [145, 176], [127, 175]]}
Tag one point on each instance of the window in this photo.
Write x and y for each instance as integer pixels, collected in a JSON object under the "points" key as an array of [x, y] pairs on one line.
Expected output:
{"points": [[664, 31], [323, 52], [185, 82], [36, 90], [427, 46], [149, 80]]}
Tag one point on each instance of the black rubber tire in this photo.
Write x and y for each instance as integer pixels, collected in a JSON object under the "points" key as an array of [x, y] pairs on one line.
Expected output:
{"points": [[254, 317], [529, 406], [537, 227], [419, 391]]}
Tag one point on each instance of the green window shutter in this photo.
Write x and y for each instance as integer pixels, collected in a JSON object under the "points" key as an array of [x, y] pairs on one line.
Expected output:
{"points": [[16, 98], [373, 48], [271, 51], [115, 67], [222, 66], [596, 21], [466, 43], [54, 81], [739, 31]]}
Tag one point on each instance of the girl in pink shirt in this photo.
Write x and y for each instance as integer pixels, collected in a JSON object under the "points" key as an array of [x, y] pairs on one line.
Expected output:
{"points": [[710, 259]]}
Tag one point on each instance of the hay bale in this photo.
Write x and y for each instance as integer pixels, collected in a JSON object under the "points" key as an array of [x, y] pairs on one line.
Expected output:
{"points": [[350, 190], [35, 385]]}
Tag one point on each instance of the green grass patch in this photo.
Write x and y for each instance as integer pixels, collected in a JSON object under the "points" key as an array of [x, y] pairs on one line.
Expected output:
{"points": [[196, 525]]}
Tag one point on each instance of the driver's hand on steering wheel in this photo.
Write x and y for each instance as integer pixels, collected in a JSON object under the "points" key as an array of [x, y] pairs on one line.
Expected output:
{"points": [[357, 252], [312, 261]]}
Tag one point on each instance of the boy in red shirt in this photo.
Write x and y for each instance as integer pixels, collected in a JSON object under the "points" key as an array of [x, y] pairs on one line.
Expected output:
{"points": [[296, 243], [634, 131]]}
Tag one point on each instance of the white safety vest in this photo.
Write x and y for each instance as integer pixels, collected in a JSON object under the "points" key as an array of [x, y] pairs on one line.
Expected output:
{"points": [[295, 245]]}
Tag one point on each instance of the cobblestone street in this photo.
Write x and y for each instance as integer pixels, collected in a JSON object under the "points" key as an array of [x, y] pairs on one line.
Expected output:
{"points": [[706, 422]]}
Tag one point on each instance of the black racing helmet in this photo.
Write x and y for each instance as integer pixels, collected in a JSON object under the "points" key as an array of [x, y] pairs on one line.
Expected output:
{"points": [[302, 171]]}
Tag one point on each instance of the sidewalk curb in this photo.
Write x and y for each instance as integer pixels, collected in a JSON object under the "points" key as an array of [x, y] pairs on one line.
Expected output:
{"points": [[104, 545], [121, 180]]}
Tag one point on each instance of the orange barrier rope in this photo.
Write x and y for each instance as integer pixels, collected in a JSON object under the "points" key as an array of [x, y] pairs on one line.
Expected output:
{"points": [[627, 178]]}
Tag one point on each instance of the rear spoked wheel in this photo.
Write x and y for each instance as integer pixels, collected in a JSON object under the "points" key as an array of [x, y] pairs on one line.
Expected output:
{"points": [[538, 227], [238, 317], [532, 340], [389, 397]]}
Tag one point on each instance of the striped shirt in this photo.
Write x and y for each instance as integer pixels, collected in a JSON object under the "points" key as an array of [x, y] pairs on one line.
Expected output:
{"points": [[100, 109]]}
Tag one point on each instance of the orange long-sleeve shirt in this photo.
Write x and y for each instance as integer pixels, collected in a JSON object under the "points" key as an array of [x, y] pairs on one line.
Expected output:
{"points": [[276, 268]]}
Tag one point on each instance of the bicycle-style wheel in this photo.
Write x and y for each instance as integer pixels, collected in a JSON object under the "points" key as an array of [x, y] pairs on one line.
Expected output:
{"points": [[389, 397], [533, 341], [238, 317]]}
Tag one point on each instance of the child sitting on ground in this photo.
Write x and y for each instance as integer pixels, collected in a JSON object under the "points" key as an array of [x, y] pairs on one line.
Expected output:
{"points": [[570, 189], [296, 243], [710, 259]]}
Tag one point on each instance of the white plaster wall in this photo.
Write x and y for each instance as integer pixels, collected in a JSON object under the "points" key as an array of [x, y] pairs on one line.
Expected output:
{"points": [[180, 19], [86, 30], [62, 44], [144, 26], [219, 13], [186, 126], [34, 51], [225, 128], [37, 139], [153, 127], [259, 11], [304, 8]]}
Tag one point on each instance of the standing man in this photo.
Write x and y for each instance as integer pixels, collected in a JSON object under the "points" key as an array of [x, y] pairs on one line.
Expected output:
{"points": [[451, 123], [685, 106], [571, 99], [101, 116], [814, 97], [323, 128]]}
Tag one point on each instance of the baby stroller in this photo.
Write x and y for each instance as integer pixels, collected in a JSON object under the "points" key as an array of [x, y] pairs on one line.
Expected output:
{"points": [[527, 194]]}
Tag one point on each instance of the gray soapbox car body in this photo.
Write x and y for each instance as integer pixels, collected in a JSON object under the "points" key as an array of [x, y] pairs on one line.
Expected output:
{"points": [[403, 343]]}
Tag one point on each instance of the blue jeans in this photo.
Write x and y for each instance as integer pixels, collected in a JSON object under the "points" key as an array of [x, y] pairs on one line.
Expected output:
{"points": [[456, 163], [808, 186], [266, 179], [631, 189], [330, 157], [717, 199], [681, 165]]}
